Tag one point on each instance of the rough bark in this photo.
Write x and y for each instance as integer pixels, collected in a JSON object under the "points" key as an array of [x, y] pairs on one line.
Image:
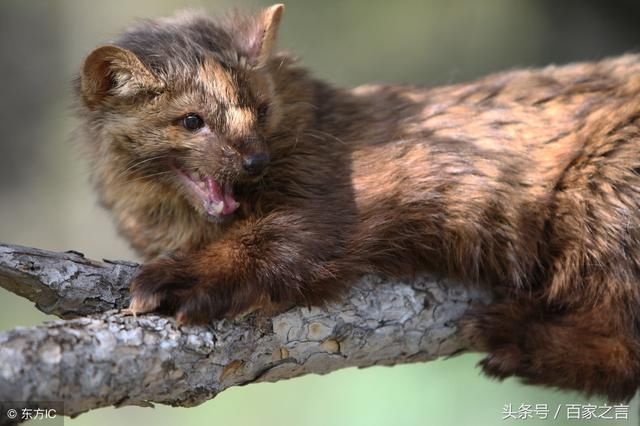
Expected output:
{"points": [[65, 284], [109, 358]]}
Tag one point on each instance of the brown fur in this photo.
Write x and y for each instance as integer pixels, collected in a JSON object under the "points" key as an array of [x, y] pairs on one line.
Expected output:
{"points": [[527, 181]]}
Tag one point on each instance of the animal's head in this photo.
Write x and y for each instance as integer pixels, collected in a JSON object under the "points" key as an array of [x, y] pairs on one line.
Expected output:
{"points": [[189, 101]]}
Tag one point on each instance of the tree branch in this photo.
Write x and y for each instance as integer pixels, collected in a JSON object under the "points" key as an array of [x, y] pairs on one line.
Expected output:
{"points": [[65, 284], [113, 359]]}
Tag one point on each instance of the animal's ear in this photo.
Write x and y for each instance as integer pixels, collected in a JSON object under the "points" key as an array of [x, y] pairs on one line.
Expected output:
{"points": [[111, 72], [260, 34]]}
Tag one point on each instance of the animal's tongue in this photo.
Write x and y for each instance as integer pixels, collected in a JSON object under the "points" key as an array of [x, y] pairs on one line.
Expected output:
{"points": [[219, 200], [230, 204]]}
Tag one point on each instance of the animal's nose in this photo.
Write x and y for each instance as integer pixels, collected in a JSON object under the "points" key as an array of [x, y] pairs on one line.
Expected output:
{"points": [[255, 164]]}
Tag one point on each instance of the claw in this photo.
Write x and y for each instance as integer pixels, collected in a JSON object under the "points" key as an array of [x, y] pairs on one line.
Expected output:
{"points": [[181, 319], [128, 312], [140, 305]]}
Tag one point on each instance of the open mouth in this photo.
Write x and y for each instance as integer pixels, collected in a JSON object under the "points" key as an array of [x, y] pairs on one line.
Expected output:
{"points": [[217, 199]]}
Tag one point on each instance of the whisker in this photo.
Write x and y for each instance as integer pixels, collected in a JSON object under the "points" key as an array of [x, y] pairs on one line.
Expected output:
{"points": [[309, 132], [151, 175], [138, 164]]}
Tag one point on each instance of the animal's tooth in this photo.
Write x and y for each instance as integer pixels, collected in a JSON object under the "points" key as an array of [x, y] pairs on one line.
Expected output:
{"points": [[215, 207], [219, 207]]}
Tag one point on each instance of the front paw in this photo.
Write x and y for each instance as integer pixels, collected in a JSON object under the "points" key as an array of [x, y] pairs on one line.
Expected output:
{"points": [[498, 329], [158, 285], [192, 290]]}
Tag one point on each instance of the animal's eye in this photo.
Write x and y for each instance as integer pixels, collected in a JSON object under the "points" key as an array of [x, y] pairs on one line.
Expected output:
{"points": [[192, 122], [263, 110]]}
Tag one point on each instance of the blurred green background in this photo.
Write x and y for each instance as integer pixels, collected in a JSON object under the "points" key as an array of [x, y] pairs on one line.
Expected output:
{"points": [[45, 200]]}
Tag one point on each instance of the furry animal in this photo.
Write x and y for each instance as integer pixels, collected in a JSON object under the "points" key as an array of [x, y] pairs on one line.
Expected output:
{"points": [[248, 184]]}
